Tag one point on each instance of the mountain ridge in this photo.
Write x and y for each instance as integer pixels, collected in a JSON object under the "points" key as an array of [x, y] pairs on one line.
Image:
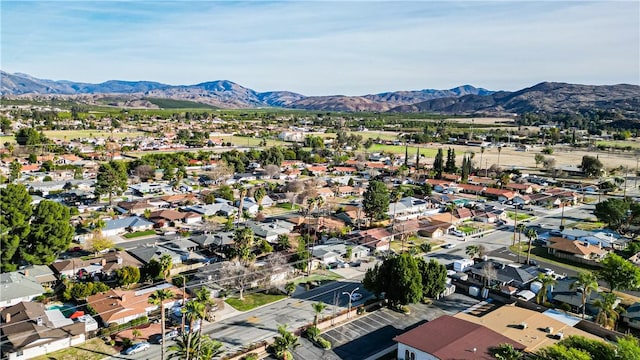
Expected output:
{"points": [[464, 99]]}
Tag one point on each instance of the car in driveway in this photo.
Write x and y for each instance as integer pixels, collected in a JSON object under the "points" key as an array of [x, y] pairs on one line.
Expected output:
{"points": [[136, 348], [356, 297], [457, 233]]}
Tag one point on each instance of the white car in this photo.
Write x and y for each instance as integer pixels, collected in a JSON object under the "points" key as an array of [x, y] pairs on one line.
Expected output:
{"points": [[457, 233], [356, 296], [136, 348], [448, 246]]}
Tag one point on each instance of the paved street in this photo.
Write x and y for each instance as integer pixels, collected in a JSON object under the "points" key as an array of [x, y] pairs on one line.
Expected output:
{"points": [[375, 331], [262, 323]]}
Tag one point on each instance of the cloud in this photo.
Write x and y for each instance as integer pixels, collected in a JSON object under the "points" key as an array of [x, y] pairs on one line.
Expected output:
{"points": [[327, 47]]}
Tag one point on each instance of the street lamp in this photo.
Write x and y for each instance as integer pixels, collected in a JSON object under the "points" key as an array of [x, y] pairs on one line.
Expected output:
{"points": [[350, 295]]}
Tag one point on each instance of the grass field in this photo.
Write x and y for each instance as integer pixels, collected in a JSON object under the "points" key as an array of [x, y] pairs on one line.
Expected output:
{"points": [[252, 301], [619, 143], [399, 149], [94, 349]]}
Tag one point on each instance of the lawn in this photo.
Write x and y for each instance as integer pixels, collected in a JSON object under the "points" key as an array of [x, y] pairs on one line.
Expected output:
{"points": [[251, 141], [399, 149], [540, 253], [521, 216], [94, 349], [319, 276], [588, 225], [287, 206], [139, 234], [252, 301]]}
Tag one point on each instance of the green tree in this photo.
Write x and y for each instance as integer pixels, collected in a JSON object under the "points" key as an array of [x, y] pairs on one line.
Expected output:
{"points": [[283, 242], [243, 244], [15, 212], [628, 348], [547, 281], [597, 349], [376, 200], [398, 277], [561, 352], [438, 164], [166, 264], [619, 273], [591, 166], [607, 315], [612, 211], [506, 352], [112, 179], [586, 282], [434, 277], [159, 297], [29, 137], [531, 234], [259, 194], [318, 308], [15, 169], [265, 247], [290, 288], [128, 275], [539, 159], [225, 192], [450, 166], [51, 233], [152, 270]]}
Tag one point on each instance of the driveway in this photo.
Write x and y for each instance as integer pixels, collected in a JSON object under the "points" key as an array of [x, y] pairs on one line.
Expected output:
{"points": [[374, 332]]}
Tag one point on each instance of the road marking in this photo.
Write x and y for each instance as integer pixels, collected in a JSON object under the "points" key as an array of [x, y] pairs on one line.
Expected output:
{"points": [[334, 339]]}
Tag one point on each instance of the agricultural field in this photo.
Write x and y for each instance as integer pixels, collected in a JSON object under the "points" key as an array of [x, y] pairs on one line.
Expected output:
{"points": [[80, 134]]}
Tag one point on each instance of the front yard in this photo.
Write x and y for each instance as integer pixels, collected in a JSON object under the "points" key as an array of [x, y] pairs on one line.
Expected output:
{"points": [[139, 234], [94, 349], [253, 300]]}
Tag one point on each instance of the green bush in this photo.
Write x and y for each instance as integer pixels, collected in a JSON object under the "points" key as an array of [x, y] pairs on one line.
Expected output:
{"points": [[312, 333], [126, 342], [324, 343], [250, 357]]}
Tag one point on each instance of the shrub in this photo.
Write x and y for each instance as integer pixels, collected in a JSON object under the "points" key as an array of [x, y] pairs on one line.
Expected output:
{"points": [[360, 310], [250, 357], [324, 343], [126, 342], [312, 333]]}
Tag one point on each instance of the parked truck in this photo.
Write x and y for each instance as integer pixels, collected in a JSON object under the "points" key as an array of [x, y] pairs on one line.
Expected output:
{"points": [[462, 265]]}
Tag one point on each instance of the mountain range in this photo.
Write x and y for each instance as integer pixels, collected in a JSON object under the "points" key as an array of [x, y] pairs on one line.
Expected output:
{"points": [[547, 96]]}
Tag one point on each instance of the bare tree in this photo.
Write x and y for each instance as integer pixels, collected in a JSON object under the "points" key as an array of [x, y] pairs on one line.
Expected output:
{"points": [[271, 170], [489, 273], [220, 172], [238, 276], [144, 172], [294, 187]]}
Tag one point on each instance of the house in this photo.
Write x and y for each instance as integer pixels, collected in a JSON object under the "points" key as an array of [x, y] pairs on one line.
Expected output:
{"points": [[562, 293], [134, 207], [179, 199], [122, 306], [16, 287], [271, 230], [499, 194], [30, 330], [533, 329], [121, 226], [42, 275], [192, 218], [214, 240], [411, 208], [147, 252], [103, 267], [249, 205], [576, 250], [166, 216], [328, 254], [217, 208], [448, 337], [631, 317], [186, 248], [505, 275], [377, 239]]}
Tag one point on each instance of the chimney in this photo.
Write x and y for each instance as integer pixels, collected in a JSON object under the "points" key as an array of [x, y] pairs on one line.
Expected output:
{"points": [[119, 260], [123, 297], [39, 320], [7, 317], [103, 262], [26, 272]]}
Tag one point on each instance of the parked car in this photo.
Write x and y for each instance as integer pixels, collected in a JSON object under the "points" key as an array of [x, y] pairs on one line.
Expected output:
{"points": [[448, 246], [356, 296], [457, 233], [533, 262], [136, 348]]}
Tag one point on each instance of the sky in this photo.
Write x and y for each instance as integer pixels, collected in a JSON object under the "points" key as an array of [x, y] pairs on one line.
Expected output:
{"points": [[325, 47]]}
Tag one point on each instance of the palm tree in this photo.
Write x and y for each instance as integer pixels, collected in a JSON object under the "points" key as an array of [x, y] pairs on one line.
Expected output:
{"points": [[607, 316], [194, 311], [481, 155], [166, 263], [547, 281], [186, 347], [318, 308], [203, 296], [520, 229], [506, 352], [532, 235], [284, 343], [243, 192], [158, 298], [472, 251], [504, 180], [587, 282], [451, 207]]}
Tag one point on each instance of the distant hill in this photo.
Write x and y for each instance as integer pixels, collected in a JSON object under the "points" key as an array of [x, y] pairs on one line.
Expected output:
{"points": [[548, 97]]}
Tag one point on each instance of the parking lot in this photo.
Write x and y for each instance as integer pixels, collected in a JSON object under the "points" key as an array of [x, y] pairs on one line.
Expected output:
{"points": [[374, 332]]}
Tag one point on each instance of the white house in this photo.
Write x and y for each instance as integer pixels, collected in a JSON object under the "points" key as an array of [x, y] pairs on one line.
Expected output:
{"points": [[16, 287], [120, 226]]}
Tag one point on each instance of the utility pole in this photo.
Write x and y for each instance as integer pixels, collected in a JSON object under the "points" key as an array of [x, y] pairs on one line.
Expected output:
{"points": [[515, 227]]}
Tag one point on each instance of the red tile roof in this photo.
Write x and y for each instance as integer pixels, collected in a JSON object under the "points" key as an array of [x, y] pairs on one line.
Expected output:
{"points": [[448, 337]]}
